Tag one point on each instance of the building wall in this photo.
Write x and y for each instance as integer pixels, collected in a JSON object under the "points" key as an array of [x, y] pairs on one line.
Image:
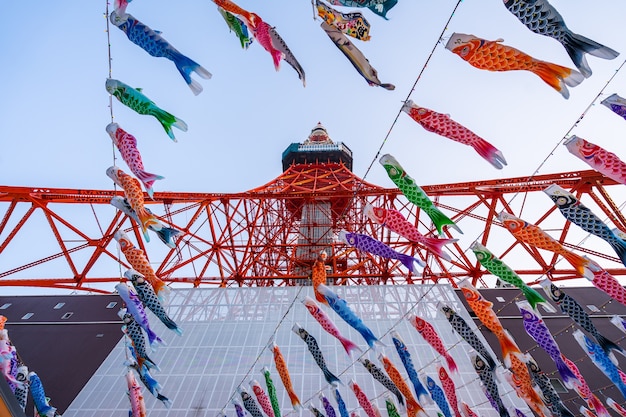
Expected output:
{"points": [[64, 339], [225, 343]]}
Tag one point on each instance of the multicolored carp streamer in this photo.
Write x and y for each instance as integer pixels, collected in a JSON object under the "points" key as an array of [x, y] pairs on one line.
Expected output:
{"points": [[146, 378], [449, 389], [576, 212], [487, 377], [537, 329], [21, 392], [352, 24], [328, 407], [9, 362], [551, 397], [262, 398], [137, 406], [585, 392], [238, 409], [271, 391], [520, 379], [601, 360], [438, 396], [575, 311], [467, 411], [617, 104], [135, 100], [355, 56], [484, 311], [431, 336], [166, 234], [380, 7], [405, 357], [495, 265], [318, 276], [616, 407], [283, 372], [120, 6], [341, 307], [585, 412], [394, 220], [248, 18], [148, 297], [598, 158], [607, 283], [137, 259], [134, 196], [380, 376], [375, 247], [392, 411], [249, 403], [541, 18], [415, 194], [315, 411], [443, 125], [328, 325], [238, 26], [364, 402], [316, 352], [136, 308], [493, 56], [271, 41], [151, 42], [341, 404], [127, 145], [132, 329], [459, 324], [413, 408], [534, 236]]}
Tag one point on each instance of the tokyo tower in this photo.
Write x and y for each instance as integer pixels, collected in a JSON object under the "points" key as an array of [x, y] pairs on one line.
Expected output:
{"points": [[272, 235]]}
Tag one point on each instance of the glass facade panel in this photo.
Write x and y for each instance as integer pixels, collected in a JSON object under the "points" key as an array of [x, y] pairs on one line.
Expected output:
{"points": [[226, 343]]}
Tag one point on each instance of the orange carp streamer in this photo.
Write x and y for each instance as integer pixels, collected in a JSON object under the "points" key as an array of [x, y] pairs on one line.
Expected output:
{"points": [[493, 56]]}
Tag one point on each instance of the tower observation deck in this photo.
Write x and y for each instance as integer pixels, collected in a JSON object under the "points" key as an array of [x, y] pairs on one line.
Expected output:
{"points": [[271, 235], [317, 148]]}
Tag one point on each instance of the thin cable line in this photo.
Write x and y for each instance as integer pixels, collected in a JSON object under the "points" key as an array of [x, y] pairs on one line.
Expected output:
{"points": [[573, 126], [419, 76], [563, 138], [113, 156], [271, 338]]}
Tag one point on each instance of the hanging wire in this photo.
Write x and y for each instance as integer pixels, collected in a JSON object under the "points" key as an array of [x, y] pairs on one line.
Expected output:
{"points": [[563, 138], [518, 297], [573, 126], [384, 141], [269, 341], [419, 76], [113, 156], [110, 59]]}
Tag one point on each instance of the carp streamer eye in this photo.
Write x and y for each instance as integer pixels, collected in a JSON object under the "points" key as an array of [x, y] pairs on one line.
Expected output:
{"points": [[561, 201]]}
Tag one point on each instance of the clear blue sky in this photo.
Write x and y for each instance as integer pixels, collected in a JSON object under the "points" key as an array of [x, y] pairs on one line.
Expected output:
{"points": [[55, 106]]}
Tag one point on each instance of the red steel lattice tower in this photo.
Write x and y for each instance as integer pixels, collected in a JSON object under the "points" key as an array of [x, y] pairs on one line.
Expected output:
{"points": [[271, 235]]}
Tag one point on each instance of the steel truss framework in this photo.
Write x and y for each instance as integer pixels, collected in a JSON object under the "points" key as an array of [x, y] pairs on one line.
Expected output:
{"points": [[256, 238]]}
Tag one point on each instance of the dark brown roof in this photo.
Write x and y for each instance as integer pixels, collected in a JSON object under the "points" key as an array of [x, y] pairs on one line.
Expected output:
{"points": [[561, 326], [64, 352]]}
